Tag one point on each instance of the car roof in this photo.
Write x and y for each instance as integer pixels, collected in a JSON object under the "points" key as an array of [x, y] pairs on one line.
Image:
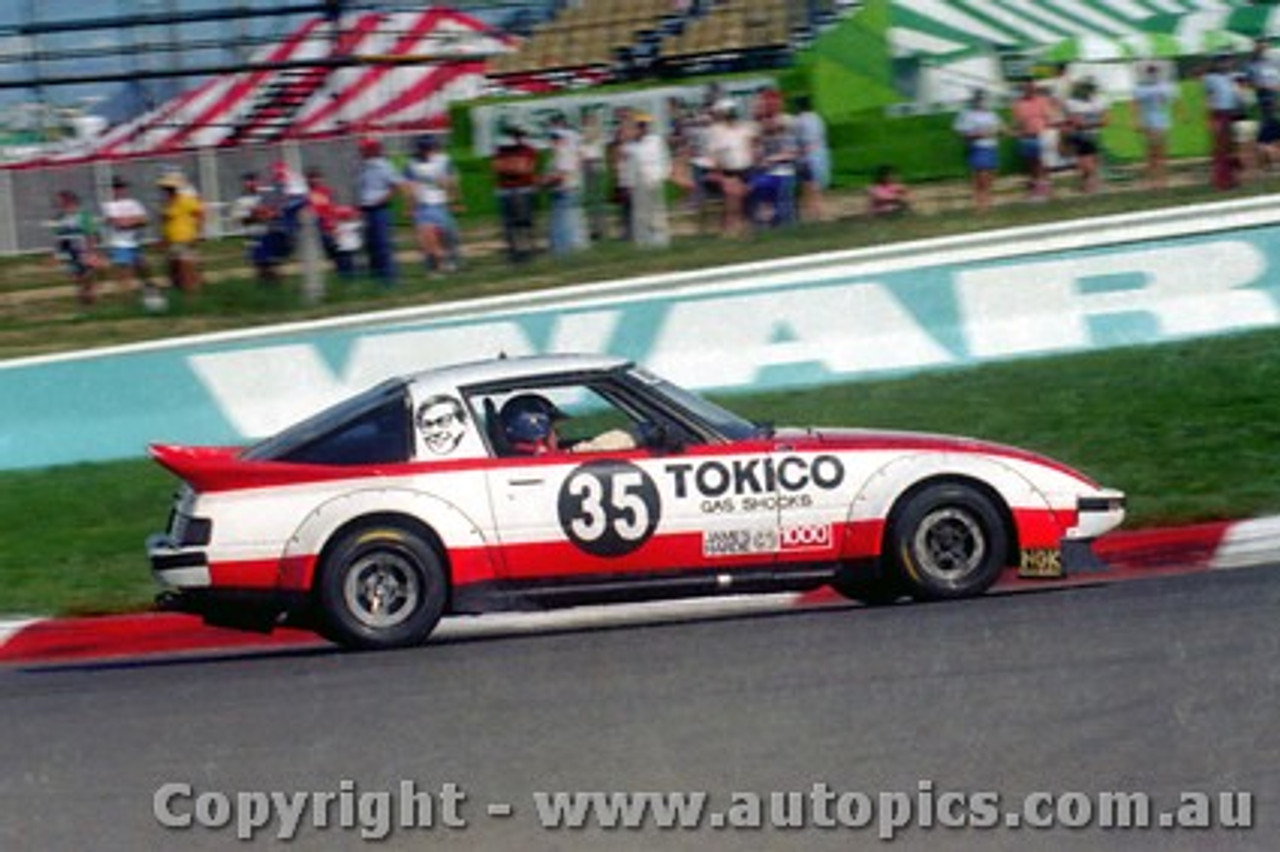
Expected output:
{"points": [[501, 368]]}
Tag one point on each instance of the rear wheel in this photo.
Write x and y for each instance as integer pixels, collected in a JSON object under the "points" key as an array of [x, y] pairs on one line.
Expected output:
{"points": [[949, 541], [381, 586]]}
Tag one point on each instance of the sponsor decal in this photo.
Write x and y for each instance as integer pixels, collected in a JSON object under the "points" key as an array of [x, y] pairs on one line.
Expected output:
{"points": [[739, 542], [609, 508], [768, 484], [795, 537], [443, 424]]}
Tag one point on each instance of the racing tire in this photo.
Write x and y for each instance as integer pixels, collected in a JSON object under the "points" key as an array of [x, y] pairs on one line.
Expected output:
{"points": [[949, 541], [381, 586]]}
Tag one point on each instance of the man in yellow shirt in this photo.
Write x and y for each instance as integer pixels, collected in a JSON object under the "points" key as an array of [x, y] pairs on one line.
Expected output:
{"points": [[181, 227]]}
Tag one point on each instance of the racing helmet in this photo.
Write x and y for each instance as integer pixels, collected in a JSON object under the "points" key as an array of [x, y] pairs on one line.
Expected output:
{"points": [[527, 420]]}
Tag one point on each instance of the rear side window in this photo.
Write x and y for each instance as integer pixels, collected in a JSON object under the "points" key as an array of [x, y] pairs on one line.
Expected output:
{"points": [[379, 436], [372, 428]]}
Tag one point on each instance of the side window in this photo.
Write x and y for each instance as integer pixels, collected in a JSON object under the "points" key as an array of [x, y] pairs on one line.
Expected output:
{"points": [[377, 436], [553, 418]]}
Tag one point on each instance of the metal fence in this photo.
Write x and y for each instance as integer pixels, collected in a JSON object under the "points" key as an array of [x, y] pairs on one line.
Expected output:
{"points": [[27, 195]]}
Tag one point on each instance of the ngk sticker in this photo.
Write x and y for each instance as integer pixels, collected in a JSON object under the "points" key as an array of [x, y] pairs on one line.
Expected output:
{"points": [[805, 537]]}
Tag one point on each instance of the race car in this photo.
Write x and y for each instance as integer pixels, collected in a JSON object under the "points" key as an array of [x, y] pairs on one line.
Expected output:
{"points": [[530, 483]]}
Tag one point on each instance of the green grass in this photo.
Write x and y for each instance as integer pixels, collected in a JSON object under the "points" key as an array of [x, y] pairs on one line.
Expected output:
{"points": [[1191, 431]]}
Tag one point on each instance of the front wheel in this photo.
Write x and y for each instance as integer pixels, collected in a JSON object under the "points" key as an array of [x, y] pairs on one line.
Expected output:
{"points": [[949, 541], [381, 586]]}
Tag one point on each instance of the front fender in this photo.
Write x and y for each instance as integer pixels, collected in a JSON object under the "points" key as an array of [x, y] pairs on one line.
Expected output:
{"points": [[466, 548], [1037, 522]]}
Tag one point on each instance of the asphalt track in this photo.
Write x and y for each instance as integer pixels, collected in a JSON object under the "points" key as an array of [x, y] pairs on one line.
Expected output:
{"points": [[1159, 686]]}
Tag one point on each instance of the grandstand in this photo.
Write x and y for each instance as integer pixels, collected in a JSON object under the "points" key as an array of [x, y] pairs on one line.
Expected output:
{"points": [[595, 40]]}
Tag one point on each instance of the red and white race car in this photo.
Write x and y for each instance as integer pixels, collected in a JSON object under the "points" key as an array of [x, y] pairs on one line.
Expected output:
{"points": [[536, 482]]}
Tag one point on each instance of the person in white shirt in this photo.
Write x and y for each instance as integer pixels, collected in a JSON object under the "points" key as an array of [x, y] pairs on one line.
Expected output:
{"points": [[126, 219], [564, 181], [252, 212], [731, 143], [430, 187], [651, 167], [981, 129]]}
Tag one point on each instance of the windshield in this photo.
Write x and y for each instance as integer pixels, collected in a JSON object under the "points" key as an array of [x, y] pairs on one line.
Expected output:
{"points": [[369, 427], [720, 420]]}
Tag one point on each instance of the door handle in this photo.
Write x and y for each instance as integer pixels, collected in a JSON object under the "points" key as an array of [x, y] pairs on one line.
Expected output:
{"points": [[525, 482]]}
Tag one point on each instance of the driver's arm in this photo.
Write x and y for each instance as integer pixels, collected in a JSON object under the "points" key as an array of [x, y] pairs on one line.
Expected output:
{"points": [[613, 440]]}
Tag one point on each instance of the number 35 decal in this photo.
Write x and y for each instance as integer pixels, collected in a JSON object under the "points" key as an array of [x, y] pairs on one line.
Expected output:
{"points": [[609, 508]]}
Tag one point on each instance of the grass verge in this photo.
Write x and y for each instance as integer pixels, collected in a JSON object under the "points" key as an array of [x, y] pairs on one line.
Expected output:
{"points": [[1191, 431]]}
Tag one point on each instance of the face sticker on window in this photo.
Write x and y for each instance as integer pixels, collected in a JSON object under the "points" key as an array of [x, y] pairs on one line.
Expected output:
{"points": [[443, 424]]}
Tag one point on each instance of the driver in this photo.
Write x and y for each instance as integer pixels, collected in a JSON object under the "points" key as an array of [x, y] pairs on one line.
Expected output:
{"points": [[528, 424]]}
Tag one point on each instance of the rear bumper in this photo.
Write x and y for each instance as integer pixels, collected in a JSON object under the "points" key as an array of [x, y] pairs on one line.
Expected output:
{"points": [[176, 567]]}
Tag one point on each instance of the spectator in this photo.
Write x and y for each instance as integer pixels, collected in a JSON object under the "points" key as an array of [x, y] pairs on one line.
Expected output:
{"points": [[680, 139], [1153, 101], [731, 143], [651, 167], [595, 174], [981, 128], [1032, 115], [1086, 116], [768, 105], [321, 198], [702, 166], [624, 134], [695, 158], [282, 202], [126, 219], [181, 229], [1223, 103], [76, 244], [564, 182], [773, 182], [515, 167], [1264, 77], [348, 238], [430, 187], [1245, 127], [251, 213], [1054, 151], [377, 184], [814, 166], [887, 196], [288, 194]]}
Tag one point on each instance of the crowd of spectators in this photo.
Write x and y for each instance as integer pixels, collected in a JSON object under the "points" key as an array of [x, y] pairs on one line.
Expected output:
{"points": [[89, 244], [738, 164], [1057, 124], [612, 176]]}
